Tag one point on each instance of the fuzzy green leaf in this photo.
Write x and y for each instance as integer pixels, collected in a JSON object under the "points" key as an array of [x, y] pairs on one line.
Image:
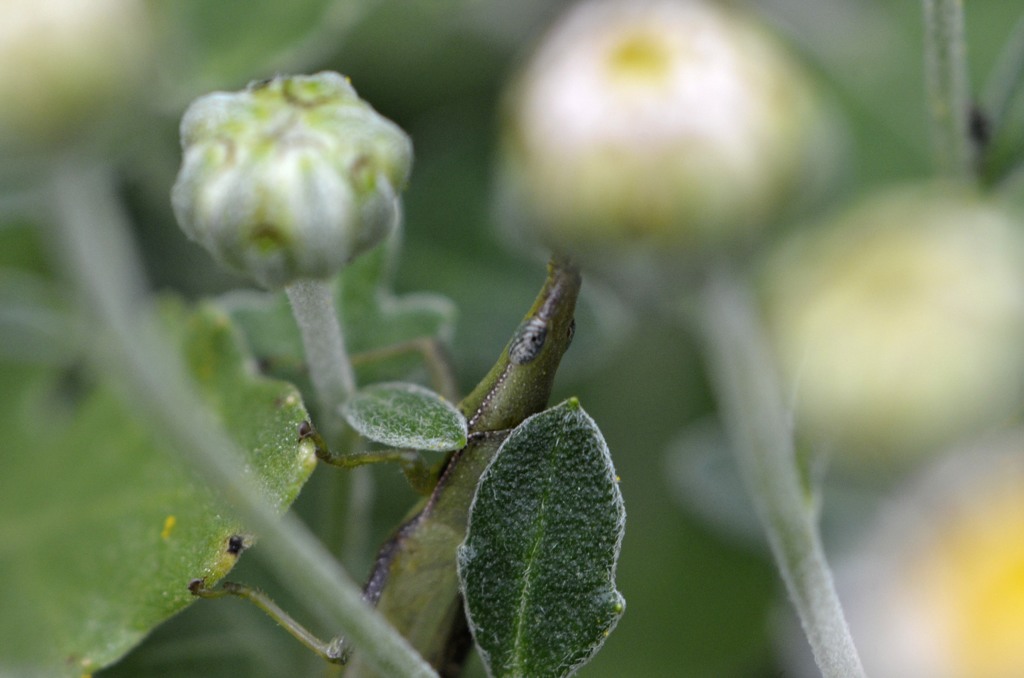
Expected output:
{"points": [[538, 564], [100, 530], [406, 416]]}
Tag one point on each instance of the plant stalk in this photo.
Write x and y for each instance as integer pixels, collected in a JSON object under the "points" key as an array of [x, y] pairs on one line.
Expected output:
{"points": [[1007, 78], [330, 369], [756, 420], [93, 234], [948, 88]]}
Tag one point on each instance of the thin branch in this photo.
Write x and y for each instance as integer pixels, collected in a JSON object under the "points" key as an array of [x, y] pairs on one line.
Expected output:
{"points": [[1007, 77], [946, 79], [323, 341], [752, 409], [431, 350]]}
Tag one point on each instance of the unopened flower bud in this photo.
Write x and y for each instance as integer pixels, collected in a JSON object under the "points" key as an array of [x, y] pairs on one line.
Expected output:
{"points": [[291, 178], [65, 62], [659, 123], [900, 327]]}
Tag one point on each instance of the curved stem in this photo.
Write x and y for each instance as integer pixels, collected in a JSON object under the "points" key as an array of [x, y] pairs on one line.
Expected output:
{"points": [[324, 343], [947, 84], [93, 234], [1007, 77], [436, 360], [752, 409], [356, 544]]}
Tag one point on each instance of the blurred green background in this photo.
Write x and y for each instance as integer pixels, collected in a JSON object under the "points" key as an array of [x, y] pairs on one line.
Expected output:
{"points": [[699, 602]]}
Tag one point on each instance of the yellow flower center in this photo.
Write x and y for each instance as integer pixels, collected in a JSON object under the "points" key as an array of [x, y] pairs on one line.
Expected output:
{"points": [[640, 56], [975, 579]]}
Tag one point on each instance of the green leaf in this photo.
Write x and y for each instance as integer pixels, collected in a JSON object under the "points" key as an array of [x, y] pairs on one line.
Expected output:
{"points": [[406, 416], [538, 564], [373, 318], [35, 324], [100, 531]]}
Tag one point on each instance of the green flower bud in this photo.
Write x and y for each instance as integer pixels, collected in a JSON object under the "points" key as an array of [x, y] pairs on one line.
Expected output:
{"points": [[67, 62], [291, 178], [660, 123], [900, 327]]}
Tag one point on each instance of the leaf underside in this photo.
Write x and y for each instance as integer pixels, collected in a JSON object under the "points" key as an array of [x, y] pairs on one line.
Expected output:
{"points": [[100, 529], [538, 563], [406, 416]]}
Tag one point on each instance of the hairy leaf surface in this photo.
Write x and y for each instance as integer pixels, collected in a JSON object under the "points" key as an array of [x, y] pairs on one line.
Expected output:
{"points": [[406, 416], [538, 563], [100, 529]]}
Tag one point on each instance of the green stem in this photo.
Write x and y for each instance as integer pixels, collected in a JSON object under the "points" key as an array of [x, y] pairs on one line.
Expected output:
{"points": [[356, 544], [330, 651], [324, 343], [330, 369], [442, 376], [757, 422], [1007, 77], [93, 234], [947, 84]]}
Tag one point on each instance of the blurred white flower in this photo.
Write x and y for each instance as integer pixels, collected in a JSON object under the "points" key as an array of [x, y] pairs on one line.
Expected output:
{"points": [[659, 123], [901, 326], [937, 590], [66, 61]]}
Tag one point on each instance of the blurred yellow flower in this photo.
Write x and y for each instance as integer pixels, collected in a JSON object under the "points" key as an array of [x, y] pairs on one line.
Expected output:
{"points": [[938, 592], [900, 327]]}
